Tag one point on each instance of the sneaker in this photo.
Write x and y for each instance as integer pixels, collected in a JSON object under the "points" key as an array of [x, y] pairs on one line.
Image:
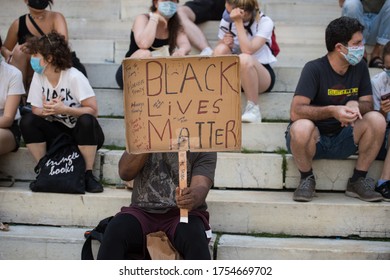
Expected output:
{"points": [[207, 51], [91, 183], [251, 114], [306, 189], [384, 190], [363, 189]]}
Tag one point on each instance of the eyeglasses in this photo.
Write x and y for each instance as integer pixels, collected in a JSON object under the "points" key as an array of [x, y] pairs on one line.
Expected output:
{"points": [[227, 30]]}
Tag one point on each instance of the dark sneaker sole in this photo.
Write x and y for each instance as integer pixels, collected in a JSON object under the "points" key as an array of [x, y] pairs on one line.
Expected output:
{"points": [[95, 190], [303, 198], [355, 195]]}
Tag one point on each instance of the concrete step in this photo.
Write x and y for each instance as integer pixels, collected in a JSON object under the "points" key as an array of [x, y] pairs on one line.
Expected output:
{"points": [[239, 247], [65, 243], [48, 243], [256, 171], [273, 212]]}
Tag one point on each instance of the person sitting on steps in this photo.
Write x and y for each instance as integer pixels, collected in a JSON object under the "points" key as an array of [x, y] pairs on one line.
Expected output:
{"points": [[381, 94], [332, 114], [11, 90], [62, 101], [155, 206], [245, 30]]}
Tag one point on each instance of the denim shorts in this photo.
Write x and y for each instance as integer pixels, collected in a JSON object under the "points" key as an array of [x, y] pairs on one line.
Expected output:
{"points": [[383, 151], [338, 146]]}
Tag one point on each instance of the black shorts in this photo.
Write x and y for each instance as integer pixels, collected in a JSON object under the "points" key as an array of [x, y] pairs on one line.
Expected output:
{"points": [[16, 132], [205, 10], [272, 73]]}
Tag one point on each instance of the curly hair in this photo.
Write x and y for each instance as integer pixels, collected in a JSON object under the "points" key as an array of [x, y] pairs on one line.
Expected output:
{"points": [[341, 31], [54, 48], [174, 27]]}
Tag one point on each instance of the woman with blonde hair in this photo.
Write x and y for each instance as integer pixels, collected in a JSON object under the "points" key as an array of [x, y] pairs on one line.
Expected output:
{"points": [[246, 31]]}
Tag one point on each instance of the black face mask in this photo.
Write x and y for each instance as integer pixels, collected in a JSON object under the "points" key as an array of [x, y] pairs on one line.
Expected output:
{"points": [[38, 4]]}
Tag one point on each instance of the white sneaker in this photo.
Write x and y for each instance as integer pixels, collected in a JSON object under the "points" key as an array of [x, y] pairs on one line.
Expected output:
{"points": [[251, 114], [207, 51]]}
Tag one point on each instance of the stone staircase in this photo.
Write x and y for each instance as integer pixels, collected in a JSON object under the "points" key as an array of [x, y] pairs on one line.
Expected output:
{"points": [[252, 212]]}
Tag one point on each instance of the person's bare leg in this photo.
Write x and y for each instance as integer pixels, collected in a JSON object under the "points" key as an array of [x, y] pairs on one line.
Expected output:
{"points": [[89, 154], [7, 141], [37, 150], [368, 134], [194, 33]]}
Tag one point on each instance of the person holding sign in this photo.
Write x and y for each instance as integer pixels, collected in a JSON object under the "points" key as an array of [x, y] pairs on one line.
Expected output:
{"points": [[156, 203], [246, 31], [62, 101], [158, 33]]}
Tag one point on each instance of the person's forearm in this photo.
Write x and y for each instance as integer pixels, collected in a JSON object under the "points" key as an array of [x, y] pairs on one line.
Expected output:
{"points": [[130, 165], [314, 113]]}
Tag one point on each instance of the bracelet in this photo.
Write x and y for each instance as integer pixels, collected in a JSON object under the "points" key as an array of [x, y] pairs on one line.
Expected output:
{"points": [[153, 17]]}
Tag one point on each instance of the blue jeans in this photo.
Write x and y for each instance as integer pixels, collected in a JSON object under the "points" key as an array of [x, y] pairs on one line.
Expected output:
{"points": [[376, 26], [338, 146]]}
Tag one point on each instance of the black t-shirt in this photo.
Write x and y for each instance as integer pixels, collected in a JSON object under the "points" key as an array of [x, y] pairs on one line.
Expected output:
{"points": [[324, 87], [154, 186]]}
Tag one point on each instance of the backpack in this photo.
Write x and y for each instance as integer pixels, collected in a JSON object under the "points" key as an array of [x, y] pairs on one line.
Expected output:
{"points": [[97, 234], [274, 46]]}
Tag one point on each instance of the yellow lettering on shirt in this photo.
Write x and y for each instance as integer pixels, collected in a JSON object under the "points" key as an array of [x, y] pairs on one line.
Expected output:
{"points": [[339, 92]]}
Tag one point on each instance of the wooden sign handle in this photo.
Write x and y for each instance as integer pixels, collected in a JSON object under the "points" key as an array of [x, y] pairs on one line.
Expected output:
{"points": [[183, 175]]}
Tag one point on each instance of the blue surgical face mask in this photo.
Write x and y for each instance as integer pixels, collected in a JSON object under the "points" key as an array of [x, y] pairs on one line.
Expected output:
{"points": [[354, 55], [36, 65], [226, 16], [167, 8]]}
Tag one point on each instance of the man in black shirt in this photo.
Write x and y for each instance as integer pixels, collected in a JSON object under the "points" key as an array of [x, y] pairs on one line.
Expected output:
{"points": [[332, 112]]}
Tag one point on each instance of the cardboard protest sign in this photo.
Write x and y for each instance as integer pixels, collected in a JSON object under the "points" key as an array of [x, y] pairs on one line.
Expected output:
{"points": [[194, 97]]}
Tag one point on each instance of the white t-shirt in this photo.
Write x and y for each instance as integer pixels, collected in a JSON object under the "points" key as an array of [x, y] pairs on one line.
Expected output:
{"points": [[11, 83], [262, 28], [73, 87], [380, 86]]}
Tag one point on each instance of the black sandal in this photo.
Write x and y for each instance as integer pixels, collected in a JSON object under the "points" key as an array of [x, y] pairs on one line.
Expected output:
{"points": [[4, 227], [6, 180], [376, 62]]}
